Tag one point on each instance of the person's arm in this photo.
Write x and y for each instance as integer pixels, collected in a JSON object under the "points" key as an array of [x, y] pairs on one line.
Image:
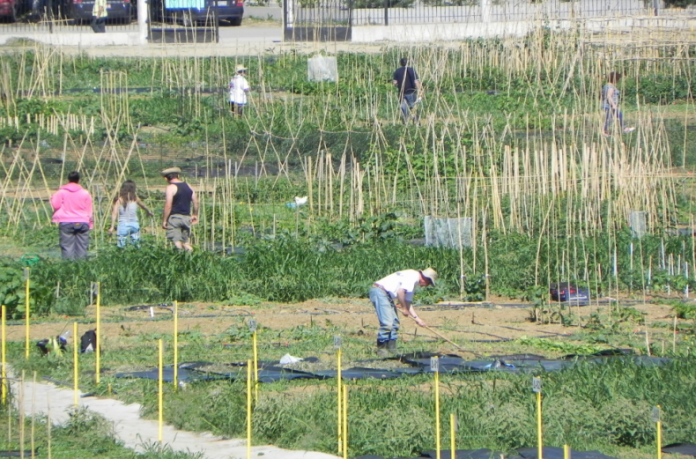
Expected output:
{"points": [[194, 201], [57, 200], [114, 215], [168, 199], [406, 306], [90, 211], [144, 207]]}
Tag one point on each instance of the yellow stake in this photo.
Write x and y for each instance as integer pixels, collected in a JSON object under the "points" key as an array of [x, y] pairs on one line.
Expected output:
{"points": [[339, 391], [26, 313], [566, 452], [176, 346], [453, 430], [4, 357], [659, 434], [248, 409], [345, 421], [539, 433], [256, 368], [76, 365], [160, 395], [98, 340], [437, 413]]}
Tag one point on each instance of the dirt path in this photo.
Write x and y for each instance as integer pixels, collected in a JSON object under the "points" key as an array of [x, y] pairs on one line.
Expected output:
{"points": [[137, 433]]}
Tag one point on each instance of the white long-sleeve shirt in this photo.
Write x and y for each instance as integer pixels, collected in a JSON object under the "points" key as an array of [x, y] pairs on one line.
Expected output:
{"points": [[239, 86]]}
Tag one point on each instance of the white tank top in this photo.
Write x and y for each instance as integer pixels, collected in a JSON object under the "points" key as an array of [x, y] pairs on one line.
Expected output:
{"points": [[129, 214]]}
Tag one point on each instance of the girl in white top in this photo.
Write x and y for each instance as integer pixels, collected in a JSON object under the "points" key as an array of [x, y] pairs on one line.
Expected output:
{"points": [[125, 210], [239, 87]]}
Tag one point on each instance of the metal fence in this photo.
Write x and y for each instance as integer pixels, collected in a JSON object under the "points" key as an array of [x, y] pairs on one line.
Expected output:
{"points": [[482, 11]]}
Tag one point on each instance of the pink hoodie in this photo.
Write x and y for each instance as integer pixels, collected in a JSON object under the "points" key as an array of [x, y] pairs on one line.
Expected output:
{"points": [[72, 204]]}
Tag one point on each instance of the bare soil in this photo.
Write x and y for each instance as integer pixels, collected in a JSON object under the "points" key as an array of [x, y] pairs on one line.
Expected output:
{"points": [[474, 328]]}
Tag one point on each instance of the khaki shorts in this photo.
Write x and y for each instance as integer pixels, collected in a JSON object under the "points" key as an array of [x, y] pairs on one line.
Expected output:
{"points": [[179, 228]]}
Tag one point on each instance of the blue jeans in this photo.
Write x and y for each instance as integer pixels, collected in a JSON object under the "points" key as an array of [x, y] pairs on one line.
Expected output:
{"points": [[407, 104], [127, 230], [386, 313], [610, 114]]}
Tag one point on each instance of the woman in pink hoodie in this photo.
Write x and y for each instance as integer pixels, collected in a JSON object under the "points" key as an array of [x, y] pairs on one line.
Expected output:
{"points": [[72, 210]]}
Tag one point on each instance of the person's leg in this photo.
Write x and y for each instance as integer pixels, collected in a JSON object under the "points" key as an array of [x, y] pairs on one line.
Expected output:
{"points": [[81, 240], [66, 240], [405, 111], [411, 103], [385, 314], [608, 119], [121, 234], [134, 232], [241, 109]]}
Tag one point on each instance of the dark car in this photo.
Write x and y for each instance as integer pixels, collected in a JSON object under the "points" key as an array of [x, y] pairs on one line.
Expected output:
{"points": [[190, 12], [81, 10], [570, 293]]}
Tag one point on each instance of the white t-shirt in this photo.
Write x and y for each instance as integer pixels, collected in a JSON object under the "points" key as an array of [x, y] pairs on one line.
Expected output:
{"points": [[238, 89], [407, 279]]}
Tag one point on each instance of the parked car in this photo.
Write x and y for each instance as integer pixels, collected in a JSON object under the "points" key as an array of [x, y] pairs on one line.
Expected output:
{"points": [[570, 293], [190, 12], [9, 10], [81, 10]]}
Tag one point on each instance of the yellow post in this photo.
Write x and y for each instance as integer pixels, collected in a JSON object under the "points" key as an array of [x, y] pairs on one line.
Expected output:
{"points": [[76, 365], [248, 409], [4, 356], [98, 340], [176, 346], [659, 433], [26, 313], [345, 421], [339, 391], [160, 395], [437, 412], [539, 431], [453, 431], [256, 367], [566, 452]]}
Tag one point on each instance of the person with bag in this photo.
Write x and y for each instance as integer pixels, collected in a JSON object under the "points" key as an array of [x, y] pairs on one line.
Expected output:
{"points": [[410, 90], [99, 14]]}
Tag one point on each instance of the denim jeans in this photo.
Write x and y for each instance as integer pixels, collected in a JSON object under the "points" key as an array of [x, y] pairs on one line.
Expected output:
{"points": [[610, 114], [74, 240], [127, 230], [407, 104], [386, 313]]}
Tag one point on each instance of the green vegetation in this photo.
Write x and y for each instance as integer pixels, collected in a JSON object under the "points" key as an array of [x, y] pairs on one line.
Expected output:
{"points": [[84, 436]]}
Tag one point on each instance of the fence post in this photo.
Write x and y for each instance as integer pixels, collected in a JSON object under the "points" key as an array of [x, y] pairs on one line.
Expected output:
{"points": [[485, 11], [386, 12], [656, 7]]}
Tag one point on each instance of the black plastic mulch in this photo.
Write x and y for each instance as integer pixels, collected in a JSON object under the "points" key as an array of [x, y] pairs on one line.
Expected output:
{"points": [[552, 452], [687, 449], [419, 363]]}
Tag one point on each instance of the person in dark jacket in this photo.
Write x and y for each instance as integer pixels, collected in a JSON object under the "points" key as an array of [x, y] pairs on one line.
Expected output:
{"points": [[180, 209], [410, 90]]}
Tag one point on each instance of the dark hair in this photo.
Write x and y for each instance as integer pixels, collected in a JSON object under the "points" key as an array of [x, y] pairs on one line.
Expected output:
{"points": [[614, 77], [74, 177], [173, 175], [127, 193], [403, 61]]}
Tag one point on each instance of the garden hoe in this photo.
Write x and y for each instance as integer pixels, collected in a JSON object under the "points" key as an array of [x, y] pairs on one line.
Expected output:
{"points": [[446, 339]]}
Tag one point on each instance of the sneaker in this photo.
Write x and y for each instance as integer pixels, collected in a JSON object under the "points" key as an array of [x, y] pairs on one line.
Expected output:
{"points": [[628, 130]]}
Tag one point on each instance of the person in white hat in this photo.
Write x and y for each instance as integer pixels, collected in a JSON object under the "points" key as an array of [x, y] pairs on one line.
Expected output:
{"points": [[180, 209], [239, 88], [399, 286]]}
